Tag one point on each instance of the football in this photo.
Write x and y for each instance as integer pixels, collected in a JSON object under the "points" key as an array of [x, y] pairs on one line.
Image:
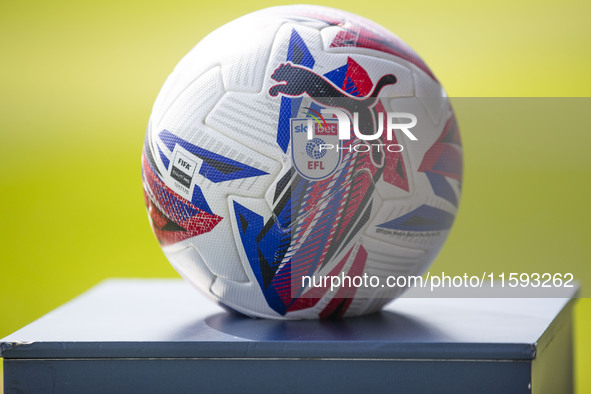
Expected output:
{"points": [[301, 162]]}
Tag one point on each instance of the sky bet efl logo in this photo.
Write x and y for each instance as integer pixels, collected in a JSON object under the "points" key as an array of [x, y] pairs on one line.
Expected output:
{"points": [[319, 140], [317, 147]]}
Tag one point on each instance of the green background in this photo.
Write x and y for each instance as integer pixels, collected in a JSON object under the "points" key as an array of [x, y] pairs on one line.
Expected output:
{"points": [[79, 79]]}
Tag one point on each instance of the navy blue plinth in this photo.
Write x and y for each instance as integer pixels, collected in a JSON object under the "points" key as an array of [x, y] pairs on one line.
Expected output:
{"points": [[163, 336]]}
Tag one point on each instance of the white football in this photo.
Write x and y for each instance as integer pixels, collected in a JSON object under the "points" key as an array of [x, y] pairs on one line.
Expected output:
{"points": [[297, 145]]}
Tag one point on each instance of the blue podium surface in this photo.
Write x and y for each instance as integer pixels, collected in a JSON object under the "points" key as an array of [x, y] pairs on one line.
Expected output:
{"points": [[138, 335]]}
